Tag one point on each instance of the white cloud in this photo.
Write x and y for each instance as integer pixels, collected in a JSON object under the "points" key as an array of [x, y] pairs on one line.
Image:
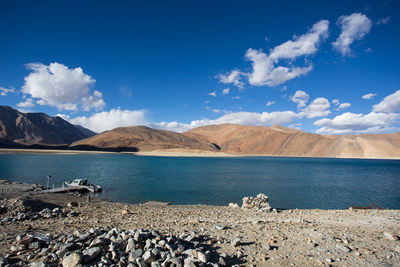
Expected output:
{"points": [[226, 91], [301, 98], [305, 44], [114, 118], [171, 126], [221, 111], [265, 72], [319, 107], [214, 94], [29, 103], [354, 27], [336, 102], [344, 106], [350, 123], [389, 104], [250, 118], [108, 120], [270, 103], [57, 85], [369, 96], [383, 21], [236, 97], [5, 91], [232, 77]]}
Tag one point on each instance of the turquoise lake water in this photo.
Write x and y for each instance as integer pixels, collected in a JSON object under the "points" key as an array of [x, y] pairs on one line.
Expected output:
{"points": [[289, 182]]}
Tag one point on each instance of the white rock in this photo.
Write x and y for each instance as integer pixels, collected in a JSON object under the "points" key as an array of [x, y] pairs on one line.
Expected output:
{"points": [[71, 260], [391, 236]]}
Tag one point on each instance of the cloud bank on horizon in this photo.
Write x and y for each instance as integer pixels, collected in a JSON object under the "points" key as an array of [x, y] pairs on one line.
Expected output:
{"points": [[72, 92]]}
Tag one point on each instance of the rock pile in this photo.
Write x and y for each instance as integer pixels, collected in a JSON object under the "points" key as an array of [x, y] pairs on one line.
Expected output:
{"points": [[259, 203], [45, 213], [106, 246], [21, 209]]}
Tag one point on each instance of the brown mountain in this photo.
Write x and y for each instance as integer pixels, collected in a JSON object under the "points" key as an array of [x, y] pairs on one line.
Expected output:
{"points": [[281, 141], [142, 138], [17, 128]]}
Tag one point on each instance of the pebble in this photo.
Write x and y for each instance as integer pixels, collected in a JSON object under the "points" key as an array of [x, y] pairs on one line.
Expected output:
{"points": [[329, 260], [236, 242], [343, 248], [391, 236]]}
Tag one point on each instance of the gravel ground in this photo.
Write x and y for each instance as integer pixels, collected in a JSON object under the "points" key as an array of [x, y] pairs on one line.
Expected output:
{"points": [[288, 237]]}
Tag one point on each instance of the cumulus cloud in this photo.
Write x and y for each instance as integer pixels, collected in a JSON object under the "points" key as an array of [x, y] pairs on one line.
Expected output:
{"points": [[354, 27], [250, 118], [28, 103], [265, 67], [301, 98], [214, 94], [59, 86], [369, 96], [348, 123], [343, 106], [270, 103], [5, 91], [108, 120], [336, 102], [231, 78], [226, 91], [305, 44], [114, 118], [171, 126], [266, 73], [389, 104], [319, 107]]}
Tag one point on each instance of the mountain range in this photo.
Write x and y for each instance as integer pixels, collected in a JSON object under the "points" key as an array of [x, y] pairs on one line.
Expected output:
{"points": [[26, 129]]}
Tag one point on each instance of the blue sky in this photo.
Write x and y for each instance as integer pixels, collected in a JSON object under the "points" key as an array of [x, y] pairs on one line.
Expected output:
{"points": [[328, 67]]}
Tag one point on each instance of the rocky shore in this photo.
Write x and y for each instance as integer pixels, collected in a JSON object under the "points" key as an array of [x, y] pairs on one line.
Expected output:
{"points": [[66, 230]]}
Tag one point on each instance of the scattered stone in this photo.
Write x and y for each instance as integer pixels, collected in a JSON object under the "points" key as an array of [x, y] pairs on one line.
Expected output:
{"points": [[202, 257], [233, 205], [71, 260], [391, 236], [219, 227], [90, 254], [236, 242], [124, 212], [72, 204], [329, 260], [148, 257], [343, 248]]}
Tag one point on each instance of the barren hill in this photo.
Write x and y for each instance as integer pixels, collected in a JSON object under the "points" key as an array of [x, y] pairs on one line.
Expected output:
{"points": [[17, 128], [143, 138], [282, 141]]}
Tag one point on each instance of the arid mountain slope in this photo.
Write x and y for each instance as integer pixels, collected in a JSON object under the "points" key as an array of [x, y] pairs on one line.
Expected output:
{"points": [[282, 141], [36, 128], [144, 138]]}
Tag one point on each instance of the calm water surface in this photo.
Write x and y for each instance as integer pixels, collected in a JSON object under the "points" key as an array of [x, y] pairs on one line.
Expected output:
{"points": [[289, 182]]}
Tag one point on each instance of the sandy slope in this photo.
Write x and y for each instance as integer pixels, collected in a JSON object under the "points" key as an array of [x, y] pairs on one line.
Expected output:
{"points": [[282, 141]]}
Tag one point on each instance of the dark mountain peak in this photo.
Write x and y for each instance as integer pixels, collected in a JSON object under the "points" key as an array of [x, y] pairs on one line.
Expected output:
{"points": [[36, 128]]}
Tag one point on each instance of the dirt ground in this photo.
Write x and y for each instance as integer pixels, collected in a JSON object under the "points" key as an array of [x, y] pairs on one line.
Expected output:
{"points": [[288, 237]]}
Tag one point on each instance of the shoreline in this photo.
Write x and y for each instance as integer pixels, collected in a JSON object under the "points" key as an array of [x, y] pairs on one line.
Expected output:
{"points": [[170, 153], [297, 237]]}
